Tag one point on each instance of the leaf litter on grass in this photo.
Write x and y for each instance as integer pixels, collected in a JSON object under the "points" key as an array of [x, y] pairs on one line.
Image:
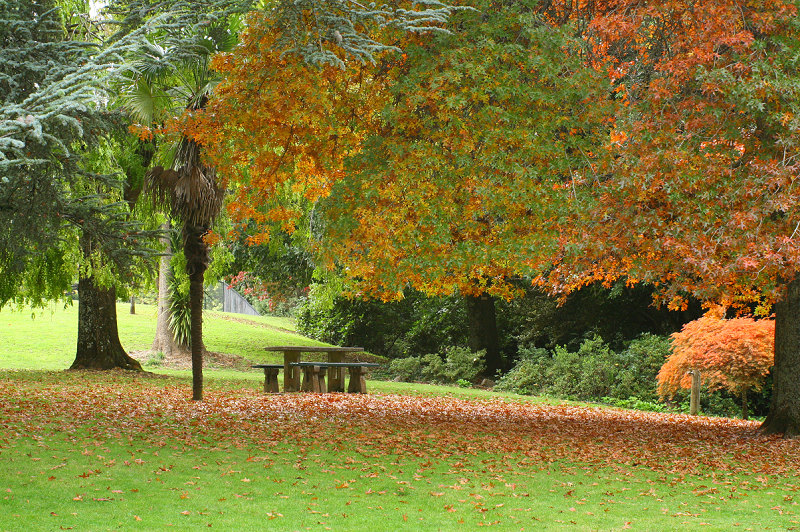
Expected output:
{"points": [[464, 453]]}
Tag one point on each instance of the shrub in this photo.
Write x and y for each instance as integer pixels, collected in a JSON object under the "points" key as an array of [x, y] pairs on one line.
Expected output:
{"points": [[461, 363], [407, 369], [637, 367], [527, 377], [592, 372], [458, 364], [433, 368]]}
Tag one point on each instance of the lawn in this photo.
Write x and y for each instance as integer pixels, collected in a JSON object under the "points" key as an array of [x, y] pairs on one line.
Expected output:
{"points": [[46, 339], [110, 450]]}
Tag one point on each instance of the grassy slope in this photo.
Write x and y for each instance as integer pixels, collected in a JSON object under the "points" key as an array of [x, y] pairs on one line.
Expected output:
{"points": [[45, 339]]}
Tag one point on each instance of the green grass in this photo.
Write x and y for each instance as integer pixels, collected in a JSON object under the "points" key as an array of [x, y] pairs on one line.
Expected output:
{"points": [[118, 450], [46, 339], [102, 451]]}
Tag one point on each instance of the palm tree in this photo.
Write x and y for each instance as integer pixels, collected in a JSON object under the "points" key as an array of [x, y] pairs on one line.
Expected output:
{"points": [[172, 75], [189, 190]]}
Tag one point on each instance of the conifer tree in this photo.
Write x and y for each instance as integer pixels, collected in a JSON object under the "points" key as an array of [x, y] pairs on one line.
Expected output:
{"points": [[55, 212]]}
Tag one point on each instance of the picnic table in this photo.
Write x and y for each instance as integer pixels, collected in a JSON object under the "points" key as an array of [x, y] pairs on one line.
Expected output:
{"points": [[291, 370]]}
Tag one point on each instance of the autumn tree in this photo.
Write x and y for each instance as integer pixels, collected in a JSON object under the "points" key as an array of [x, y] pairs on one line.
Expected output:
{"points": [[309, 32], [700, 198], [731, 354], [484, 134]]}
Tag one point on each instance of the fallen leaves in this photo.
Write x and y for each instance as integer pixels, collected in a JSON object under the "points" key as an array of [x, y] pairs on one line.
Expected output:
{"points": [[432, 429]]}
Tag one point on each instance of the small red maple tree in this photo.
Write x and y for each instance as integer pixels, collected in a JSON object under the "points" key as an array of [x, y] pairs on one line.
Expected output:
{"points": [[733, 355]]}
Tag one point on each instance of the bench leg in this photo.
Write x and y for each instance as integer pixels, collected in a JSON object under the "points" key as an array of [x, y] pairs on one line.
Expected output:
{"points": [[271, 380], [291, 374], [335, 375], [309, 380], [357, 383], [336, 380]]}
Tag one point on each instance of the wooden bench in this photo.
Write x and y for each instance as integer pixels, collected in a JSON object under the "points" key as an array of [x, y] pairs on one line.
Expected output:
{"points": [[270, 376], [291, 353], [314, 376]]}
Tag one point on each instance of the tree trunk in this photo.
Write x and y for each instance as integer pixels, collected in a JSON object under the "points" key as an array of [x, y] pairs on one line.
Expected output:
{"points": [[98, 338], [133, 304], [164, 340], [784, 412], [196, 252], [482, 319], [196, 303]]}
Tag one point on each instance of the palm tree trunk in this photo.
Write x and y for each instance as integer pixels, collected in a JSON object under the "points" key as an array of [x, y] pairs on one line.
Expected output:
{"points": [[196, 252], [196, 303]]}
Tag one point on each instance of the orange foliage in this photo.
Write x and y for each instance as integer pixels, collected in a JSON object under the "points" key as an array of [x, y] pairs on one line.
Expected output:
{"points": [[701, 196], [278, 127], [734, 355]]}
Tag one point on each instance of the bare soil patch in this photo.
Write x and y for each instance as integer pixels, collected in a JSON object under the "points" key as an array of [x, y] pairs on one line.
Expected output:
{"points": [[183, 360]]}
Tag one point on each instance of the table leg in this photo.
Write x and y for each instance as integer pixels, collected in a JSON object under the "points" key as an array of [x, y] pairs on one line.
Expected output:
{"points": [[310, 383], [336, 375], [321, 387], [291, 374]]}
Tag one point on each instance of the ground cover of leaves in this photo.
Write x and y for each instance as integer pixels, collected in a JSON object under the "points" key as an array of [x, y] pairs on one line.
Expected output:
{"points": [[96, 451]]}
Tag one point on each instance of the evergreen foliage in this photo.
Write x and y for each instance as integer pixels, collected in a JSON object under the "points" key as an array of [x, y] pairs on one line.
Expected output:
{"points": [[593, 372], [53, 110]]}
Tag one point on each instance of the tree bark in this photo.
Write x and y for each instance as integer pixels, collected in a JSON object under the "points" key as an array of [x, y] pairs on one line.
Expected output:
{"points": [[745, 412], [164, 340], [196, 303], [133, 304], [482, 318], [784, 413], [98, 337], [196, 252]]}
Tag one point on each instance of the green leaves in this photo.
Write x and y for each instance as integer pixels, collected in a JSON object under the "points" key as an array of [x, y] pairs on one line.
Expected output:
{"points": [[482, 135]]}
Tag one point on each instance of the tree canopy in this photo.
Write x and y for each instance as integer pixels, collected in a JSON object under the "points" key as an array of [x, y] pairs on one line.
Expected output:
{"points": [[700, 197], [484, 134], [54, 92]]}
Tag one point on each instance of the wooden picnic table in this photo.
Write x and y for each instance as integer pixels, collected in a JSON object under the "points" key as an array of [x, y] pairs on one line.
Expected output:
{"points": [[291, 374]]}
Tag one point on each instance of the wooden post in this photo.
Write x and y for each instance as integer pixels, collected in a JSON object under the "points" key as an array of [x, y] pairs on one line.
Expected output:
{"points": [[291, 374], [694, 401], [335, 375], [271, 380]]}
